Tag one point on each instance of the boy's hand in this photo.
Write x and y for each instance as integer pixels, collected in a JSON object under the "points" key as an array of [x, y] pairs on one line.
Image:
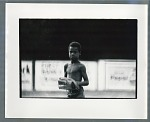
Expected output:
{"points": [[67, 84]]}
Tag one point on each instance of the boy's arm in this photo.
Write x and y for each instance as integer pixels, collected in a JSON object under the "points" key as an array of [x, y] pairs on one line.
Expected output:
{"points": [[85, 77], [65, 70]]}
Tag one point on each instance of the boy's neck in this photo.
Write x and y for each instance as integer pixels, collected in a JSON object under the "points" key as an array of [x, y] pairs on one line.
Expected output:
{"points": [[74, 61]]}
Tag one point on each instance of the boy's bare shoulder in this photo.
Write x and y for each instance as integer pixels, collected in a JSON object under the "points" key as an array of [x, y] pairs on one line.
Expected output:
{"points": [[82, 65]]}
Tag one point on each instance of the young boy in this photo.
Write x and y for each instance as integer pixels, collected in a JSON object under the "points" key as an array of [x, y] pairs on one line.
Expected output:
{"points": [[76, 70]]}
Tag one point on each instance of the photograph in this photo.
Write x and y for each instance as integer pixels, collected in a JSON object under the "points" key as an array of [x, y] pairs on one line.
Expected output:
{"points": [[76, 61], [78, 58]]}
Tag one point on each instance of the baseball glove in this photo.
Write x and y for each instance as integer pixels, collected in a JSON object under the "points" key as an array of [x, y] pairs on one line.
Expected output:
{"points": [[67, 84]]}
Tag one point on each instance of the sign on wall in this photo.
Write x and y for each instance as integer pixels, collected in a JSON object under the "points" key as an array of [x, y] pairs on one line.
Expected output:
{"points": [[120, 75], [26, 76], [47, 74]]}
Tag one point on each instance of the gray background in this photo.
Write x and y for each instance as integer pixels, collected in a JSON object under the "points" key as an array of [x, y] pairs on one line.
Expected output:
{"points": [[2, 57]]}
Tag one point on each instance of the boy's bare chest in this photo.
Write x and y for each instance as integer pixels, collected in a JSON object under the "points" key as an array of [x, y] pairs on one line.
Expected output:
{"points": [[73, 69]]}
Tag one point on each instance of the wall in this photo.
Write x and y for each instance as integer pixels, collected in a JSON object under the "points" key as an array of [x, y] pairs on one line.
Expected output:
{"points": [[116, 75], [103, 75]]}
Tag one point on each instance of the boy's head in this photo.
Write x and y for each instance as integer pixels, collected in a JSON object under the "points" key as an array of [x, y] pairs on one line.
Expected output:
{"points": [[74, 50]]}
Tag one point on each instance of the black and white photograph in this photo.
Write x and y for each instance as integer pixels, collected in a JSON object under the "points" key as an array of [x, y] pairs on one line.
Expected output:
{"points": [[77, 61], [78, 58]]}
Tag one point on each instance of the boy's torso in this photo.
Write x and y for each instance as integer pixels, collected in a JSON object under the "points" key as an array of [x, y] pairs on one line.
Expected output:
{"points": [[74, 71]]}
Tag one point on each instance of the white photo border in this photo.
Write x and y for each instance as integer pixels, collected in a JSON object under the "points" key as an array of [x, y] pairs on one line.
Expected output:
{"points": [[16, 107]]}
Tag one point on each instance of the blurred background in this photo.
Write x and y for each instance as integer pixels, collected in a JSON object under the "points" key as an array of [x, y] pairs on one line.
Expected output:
{"points": [[109, 52]]}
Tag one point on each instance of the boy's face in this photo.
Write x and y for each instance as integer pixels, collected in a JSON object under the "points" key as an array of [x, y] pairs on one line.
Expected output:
{"points": [[74, 53]]}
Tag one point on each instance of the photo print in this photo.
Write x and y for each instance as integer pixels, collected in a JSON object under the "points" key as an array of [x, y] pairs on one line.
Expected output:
{"points": [[108, 51], [91, 58]]}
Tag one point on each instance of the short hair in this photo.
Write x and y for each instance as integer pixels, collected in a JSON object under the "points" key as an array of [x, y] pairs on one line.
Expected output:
{"points": [[75, 44]]}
